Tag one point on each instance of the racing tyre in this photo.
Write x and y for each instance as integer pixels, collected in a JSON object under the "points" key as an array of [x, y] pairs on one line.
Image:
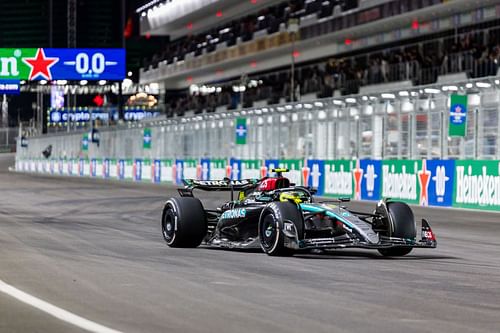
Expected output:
{"points": [[183, 222], [401, 225], [271, 224]]}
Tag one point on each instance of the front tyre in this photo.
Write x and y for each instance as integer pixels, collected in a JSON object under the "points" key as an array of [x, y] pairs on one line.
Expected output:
{"points": [[183, 222], [271, 224], [401, 224]]}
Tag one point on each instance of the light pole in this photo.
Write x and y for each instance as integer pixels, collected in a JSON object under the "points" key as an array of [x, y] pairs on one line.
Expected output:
{"points": [[293, 29]]}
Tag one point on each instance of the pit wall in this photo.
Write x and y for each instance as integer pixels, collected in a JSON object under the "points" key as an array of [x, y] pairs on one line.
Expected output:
{"points": [[445, 183]]}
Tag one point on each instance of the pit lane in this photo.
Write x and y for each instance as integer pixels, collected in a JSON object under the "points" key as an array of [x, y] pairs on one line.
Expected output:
{"points": [[95, 248]]}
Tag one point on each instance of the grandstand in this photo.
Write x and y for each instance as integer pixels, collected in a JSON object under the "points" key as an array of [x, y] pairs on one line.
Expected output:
{"points": [[341, 48]]}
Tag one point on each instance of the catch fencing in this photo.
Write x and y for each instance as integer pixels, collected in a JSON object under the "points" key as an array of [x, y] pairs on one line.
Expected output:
{"points": [[393, 145]]}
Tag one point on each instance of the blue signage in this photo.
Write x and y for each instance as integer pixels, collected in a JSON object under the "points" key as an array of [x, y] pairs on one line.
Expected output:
{"points": [[157, 171], [316, 175], [93, 167], [83, 115], [87, 64], [81, 165], [205, 169], [271, 164], [138, 170], [60, 166], [178, 170], [106, 168], [121, 169], [235, 169], [10, 87], [440, 190], [371, 179]]}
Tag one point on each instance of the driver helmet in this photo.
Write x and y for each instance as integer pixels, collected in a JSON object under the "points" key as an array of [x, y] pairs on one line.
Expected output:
{"points": [[272, 184]]}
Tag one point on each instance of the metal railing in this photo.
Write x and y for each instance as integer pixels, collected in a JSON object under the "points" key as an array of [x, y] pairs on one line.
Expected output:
{"points": [[409, 124]]}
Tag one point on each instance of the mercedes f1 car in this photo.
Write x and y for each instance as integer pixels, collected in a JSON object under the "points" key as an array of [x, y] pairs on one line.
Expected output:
{"points": [[282, 218]]}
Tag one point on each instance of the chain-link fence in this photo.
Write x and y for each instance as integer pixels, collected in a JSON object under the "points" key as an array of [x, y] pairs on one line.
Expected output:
{"points": [[409, 124], [8, 138]]}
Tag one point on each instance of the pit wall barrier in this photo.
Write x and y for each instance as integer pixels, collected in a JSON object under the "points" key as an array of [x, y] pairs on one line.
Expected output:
{"points": [[445, 183]]}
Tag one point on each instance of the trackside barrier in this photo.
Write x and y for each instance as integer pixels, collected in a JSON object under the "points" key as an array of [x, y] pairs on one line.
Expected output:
{"points": [[445, 183]]}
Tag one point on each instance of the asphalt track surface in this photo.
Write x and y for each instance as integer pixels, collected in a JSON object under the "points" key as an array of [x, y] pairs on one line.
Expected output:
{"points": [[94, 248]]}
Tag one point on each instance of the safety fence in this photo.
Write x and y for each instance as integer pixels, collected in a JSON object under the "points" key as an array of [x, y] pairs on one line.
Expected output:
{"points": [[471, 184]]}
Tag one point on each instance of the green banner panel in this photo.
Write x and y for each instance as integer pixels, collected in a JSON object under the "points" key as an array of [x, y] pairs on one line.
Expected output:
{"points": [[241, 131], [458, 115], [400, 180], [338, 178], [295, 167], [477, 185]]}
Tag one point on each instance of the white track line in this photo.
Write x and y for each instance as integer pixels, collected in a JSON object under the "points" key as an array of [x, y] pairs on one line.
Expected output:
{"points": [[54, 310]]}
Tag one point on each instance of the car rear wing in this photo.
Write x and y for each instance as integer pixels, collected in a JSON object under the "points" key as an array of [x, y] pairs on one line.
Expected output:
{"points": [[217, 185]]}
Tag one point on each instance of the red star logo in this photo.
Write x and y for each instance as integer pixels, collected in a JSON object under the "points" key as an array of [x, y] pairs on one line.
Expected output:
{"points": [[263, 171], [198, 172], [305, 175], [358, 173], [423, 177], [40, 65]]}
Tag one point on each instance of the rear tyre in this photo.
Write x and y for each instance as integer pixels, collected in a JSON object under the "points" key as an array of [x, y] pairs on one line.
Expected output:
{"points": [[183, 222], [401, 224], [272, 219]]}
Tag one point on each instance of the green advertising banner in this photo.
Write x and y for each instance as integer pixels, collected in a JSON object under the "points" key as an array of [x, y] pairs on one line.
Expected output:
{"points": [[147, 138], [85, 142], [166, 171], [218, 169], [147, 169], [477, 185], [458, 115], [241, 131], [295, 167], [190, 170], [129, 169], [400, 180], [250, 169], [338, 178], [13, 64]]}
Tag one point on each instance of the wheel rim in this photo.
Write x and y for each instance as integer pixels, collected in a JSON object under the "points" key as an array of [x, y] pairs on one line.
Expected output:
{"points": [[268, 232], [168, 226]]}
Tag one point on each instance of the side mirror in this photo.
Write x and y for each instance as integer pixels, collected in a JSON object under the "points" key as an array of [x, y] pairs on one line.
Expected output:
{"points": [[344, 199]]}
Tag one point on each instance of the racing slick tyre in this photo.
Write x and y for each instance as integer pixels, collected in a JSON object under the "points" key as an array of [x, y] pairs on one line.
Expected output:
{"points": [[183, 222], [401, 225], [271, 224]]}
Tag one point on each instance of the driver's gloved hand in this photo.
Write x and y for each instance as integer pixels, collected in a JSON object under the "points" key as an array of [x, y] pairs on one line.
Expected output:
{"points": [[227, 206]]}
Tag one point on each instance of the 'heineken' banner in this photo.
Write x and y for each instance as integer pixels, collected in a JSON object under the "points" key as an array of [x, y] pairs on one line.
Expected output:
{"points": [[166, 174], [477, 185], [458, 115], [339, 178], [241, 131], [295, 170], [62, 64], [250, 169], [400, 180]]}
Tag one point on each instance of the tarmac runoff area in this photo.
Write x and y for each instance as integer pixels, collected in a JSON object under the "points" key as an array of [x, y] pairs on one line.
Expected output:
{"points": [[79, 255]]}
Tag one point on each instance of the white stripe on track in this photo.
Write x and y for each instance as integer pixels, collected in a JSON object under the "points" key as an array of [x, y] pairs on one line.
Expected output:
{"points": [[54, 310]]}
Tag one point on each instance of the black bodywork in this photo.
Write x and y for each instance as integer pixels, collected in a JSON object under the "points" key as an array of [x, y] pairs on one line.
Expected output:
{"points": [[241, 222]]}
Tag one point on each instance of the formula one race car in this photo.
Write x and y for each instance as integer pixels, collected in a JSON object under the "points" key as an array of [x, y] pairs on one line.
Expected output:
{"points": [[283, 218]]}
